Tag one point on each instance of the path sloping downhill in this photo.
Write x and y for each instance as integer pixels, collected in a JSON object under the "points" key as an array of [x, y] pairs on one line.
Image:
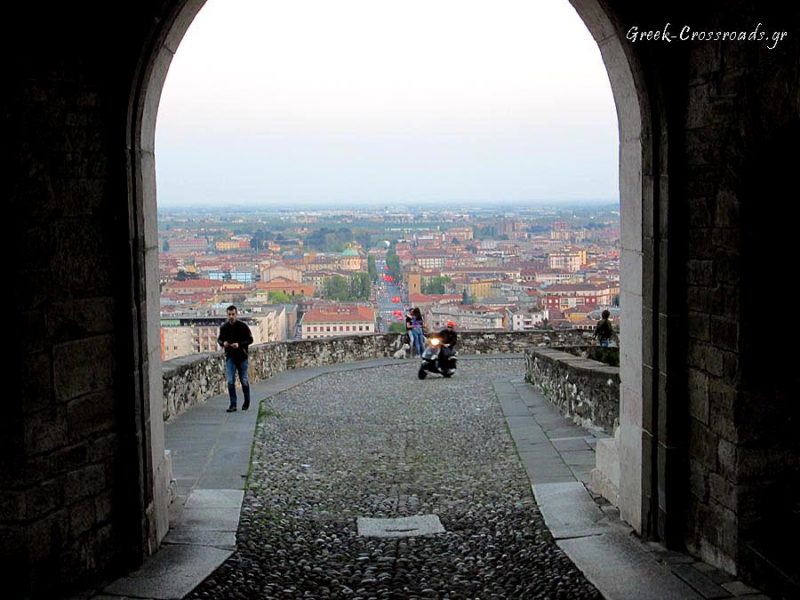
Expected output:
{"points": [[379, 443]]}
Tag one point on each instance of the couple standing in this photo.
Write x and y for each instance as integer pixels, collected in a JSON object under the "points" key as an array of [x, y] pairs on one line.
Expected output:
{"points": [[416, 330]]}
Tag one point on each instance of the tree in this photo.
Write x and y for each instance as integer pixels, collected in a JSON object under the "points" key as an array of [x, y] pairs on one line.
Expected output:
{"points": [[337, 288], [342, 289], [372, 269], [360, 286], [278, 297], [393, 263], [165, 246], [435, 285]]}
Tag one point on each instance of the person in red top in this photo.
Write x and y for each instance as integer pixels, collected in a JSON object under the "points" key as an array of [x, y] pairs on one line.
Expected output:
{"points": [[235, 337]]}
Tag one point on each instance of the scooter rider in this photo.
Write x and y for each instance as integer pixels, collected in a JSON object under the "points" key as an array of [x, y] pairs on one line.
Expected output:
{"points": [[449, 339]]}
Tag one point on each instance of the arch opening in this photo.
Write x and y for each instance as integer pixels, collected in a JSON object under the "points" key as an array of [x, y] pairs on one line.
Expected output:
{"points": [[635, 446]]}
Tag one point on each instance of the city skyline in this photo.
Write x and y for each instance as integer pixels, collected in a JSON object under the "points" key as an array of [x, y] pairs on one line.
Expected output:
{"points": [[363, 105]]}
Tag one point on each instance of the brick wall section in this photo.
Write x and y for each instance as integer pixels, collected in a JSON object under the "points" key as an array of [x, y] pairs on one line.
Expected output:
{"points": [[584, 390], [192, 379]]}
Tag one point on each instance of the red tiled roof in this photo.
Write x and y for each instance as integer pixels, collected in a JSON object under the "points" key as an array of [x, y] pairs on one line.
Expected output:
{"points": [[335, 314], [195, 284]]}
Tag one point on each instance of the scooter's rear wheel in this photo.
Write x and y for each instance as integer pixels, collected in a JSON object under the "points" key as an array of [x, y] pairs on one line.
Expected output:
{"points": [[422, 373]]}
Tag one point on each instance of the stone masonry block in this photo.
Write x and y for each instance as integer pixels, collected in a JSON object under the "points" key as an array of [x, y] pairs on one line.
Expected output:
{"points": [[47, 535], [728, 269], [79, 256], [36, 389], [718, 527], [45, 497], [761, 463], [85, 482], [705, 357], [83, 366], [102, 448], [730, 368], [722, 423], [699, 326], [703, 444], [46, 430], [103, 505], [698, 395], [722, 491], [701, 212], [90, 414], [705, 62], [725, 333], [702, 147], [700, 114], [702, 181], [700, 272], [698, 480], [80, 318], [81, 517], [728, 208], [32, 323], [726, 456], [54, 464], [727, 239], [699, 300], [12, 505]]}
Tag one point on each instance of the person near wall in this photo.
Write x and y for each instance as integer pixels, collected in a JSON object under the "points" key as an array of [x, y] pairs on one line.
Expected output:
{"points": [[417, 331], [235, 338], [604, 331]]}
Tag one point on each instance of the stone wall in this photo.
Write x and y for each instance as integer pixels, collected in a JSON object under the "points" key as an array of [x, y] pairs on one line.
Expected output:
{"points": [[743, 447], [584, 390], [190, 380]]}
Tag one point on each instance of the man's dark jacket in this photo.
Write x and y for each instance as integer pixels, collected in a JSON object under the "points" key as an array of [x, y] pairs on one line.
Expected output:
{"points": [[235, 333], [448, 336]]}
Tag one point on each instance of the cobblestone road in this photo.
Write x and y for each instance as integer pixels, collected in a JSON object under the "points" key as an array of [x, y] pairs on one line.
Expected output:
{"points": [[380, 443]]}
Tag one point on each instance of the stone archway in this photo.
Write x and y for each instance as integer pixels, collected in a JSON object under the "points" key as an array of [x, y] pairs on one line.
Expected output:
{"points": [[634, 448]]}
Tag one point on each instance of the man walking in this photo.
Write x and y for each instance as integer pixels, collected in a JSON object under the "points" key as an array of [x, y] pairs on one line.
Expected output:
{"points": [[235, 337]]}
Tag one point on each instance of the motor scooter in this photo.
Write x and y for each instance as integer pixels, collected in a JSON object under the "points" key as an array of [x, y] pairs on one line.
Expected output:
{"points": [[430, 359]]}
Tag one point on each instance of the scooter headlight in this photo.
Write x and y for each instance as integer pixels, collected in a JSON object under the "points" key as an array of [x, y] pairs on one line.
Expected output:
{"points": [[435, 342]]}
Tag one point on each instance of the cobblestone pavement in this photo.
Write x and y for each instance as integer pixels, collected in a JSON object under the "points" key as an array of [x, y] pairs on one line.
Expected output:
{"points": [[380, 443]]}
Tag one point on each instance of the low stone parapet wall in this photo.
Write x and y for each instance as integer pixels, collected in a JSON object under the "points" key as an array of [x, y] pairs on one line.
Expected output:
{"points": [[190, 380], [584, 390]]}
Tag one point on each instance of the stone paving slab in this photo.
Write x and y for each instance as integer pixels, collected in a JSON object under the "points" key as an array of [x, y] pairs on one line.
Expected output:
{"points": [[567, 444], [558, 466], [622, 571], [399, 527], [171, 573], [702, 584], [215, 499], [217, 539], [568, 509]]}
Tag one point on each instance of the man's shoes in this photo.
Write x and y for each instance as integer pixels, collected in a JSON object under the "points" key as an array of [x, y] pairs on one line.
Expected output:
{"points": [[231, 409], [246, 405]]}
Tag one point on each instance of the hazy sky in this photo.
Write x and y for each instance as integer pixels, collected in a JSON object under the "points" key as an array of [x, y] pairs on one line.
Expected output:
{"points": [[357, 101]]}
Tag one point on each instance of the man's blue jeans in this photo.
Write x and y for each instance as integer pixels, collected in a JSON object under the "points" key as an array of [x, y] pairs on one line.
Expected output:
{"points": [[231, 367]]}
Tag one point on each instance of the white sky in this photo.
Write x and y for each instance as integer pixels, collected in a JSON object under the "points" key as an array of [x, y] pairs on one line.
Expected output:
{"points": [[370, 101]]}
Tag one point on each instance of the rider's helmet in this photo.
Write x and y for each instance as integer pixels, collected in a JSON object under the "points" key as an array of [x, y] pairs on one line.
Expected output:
{"points": [[451, 324]]}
